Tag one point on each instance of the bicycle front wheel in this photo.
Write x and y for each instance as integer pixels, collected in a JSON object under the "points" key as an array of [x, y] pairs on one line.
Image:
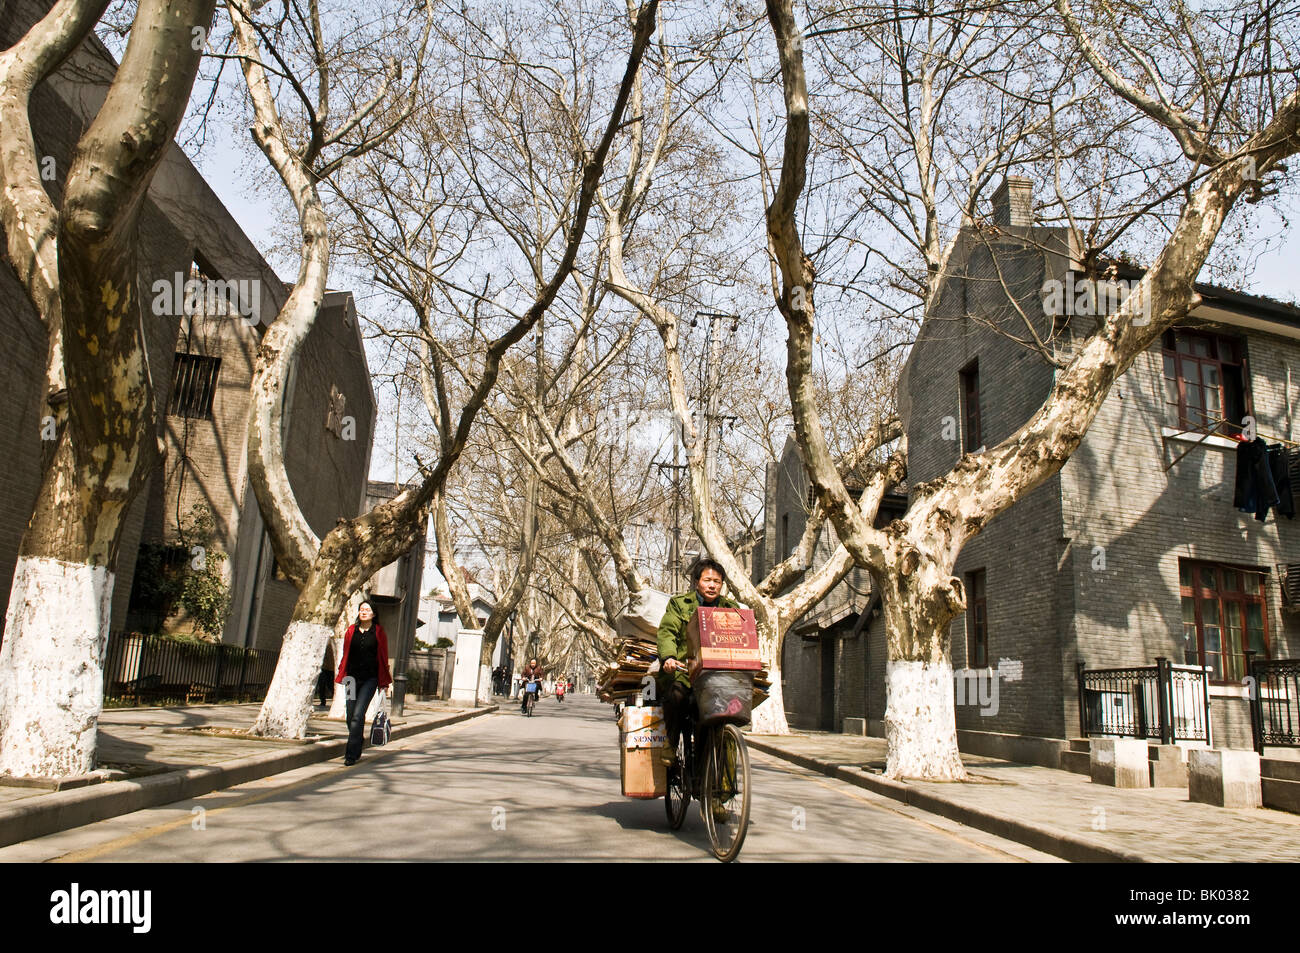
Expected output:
{"points": [[679, 788], [726, 792]]}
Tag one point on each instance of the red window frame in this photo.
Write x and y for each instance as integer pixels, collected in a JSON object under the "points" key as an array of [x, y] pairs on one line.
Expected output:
{"points": [[1212, 597], [1197, 367]]}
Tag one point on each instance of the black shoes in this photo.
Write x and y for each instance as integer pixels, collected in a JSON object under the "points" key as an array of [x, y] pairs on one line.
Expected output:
{"points": [[349, 762]]}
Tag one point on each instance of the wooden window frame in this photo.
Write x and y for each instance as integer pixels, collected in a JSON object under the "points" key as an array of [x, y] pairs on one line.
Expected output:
{"points": [[1231, 675], [1218, 345]]}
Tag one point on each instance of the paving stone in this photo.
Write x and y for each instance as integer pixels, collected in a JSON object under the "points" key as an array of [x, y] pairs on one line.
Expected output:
{"points": [[1158, 824]]}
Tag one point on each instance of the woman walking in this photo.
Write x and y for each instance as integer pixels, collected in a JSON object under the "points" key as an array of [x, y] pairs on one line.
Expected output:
{"points": [[365, 662]]}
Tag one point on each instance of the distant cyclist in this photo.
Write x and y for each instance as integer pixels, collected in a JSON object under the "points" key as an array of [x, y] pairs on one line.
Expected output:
{"points": [[532, 673]]}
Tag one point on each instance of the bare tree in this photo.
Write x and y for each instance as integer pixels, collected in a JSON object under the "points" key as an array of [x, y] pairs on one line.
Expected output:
{"points": [[77, 263], [789, 590], [911, 560], [328, 570]]}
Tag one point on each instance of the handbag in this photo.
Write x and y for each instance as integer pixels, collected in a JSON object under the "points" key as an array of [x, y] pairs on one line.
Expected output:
{"points": [[380, 728]]}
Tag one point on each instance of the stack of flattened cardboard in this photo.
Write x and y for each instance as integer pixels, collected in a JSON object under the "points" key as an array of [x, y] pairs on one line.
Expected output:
{"points": [[624, 678], [762, 685]]}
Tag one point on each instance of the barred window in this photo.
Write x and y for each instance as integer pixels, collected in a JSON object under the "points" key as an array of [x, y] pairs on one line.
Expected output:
{"points": [[977, 621], [1225, 612], [194, 384], [972, 430]]}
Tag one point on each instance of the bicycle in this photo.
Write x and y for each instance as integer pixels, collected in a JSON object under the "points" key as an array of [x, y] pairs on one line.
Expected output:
{"points": [[530, 698], [720, 783]]}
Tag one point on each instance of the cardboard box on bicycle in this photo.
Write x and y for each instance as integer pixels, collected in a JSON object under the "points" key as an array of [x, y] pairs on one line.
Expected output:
{"points": [[724, 640], [642, 736]]}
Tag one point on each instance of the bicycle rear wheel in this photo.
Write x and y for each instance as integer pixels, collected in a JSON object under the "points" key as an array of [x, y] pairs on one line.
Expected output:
{"points": [[726, 792], [679, 789]]}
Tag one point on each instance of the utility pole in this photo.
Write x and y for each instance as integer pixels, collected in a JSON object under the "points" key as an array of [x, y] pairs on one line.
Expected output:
{"points": [[675, 553], [710, 380]]}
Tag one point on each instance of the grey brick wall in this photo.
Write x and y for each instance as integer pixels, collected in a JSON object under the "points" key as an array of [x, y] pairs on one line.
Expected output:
{"points": [[1119, 497]]}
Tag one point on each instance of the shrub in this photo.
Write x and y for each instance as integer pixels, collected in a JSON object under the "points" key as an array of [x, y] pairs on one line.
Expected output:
{"points": [[414, 681]]}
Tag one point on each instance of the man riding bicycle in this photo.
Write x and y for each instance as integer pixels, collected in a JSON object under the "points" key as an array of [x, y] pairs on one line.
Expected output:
{"points": [[674, 683]]}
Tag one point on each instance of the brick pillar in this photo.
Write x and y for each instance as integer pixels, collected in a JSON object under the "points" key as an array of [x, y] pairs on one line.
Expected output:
{"points": [[1013, 202]]}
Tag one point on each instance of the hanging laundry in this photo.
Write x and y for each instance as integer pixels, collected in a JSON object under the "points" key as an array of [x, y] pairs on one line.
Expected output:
{"points": [[1279, 465], [1255, 490]]}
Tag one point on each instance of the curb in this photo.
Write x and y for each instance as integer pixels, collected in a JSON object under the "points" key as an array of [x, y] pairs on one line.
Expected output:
{"points": [[1048, 840], [63, 810]]}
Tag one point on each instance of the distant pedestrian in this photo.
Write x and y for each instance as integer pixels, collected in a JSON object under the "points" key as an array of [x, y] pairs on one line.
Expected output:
{"points": [[325, 682], [365, 662]]}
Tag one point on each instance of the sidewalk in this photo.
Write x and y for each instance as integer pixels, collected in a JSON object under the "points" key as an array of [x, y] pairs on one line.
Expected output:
{"points": [[1056, 811], [153, 756]]}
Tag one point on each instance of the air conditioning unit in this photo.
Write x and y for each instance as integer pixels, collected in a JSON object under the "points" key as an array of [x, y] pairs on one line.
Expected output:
{"points": [[1288, 581], [1111, 713]]}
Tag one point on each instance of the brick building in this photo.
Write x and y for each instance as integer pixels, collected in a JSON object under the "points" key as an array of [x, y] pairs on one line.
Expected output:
{"points": [[200, 341], [826, 666], [1134, 550]]}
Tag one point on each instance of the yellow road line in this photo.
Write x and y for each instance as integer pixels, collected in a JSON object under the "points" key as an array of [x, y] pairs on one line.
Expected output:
{"points": [[129, 840], [847, 790]]}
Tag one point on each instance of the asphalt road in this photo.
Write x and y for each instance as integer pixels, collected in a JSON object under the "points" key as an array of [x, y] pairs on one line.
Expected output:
{"points": [[508, 788]]}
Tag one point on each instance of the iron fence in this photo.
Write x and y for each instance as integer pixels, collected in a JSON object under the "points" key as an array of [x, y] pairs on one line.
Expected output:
{"points": [[150, 669], [1274, 701], [1164, 702]]}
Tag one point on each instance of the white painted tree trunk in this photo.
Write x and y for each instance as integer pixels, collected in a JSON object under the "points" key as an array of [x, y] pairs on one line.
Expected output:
{"points": [[287, 706], [52, 667], [484, 692], [920, 722], [339, 703], [769, 717]]}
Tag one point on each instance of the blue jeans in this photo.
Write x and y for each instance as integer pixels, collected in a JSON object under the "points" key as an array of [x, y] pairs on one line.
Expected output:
{"points": [[356, 712]]}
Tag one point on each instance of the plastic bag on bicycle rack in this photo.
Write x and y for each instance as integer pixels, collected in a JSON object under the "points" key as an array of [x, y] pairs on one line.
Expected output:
{"points": [[724, 697]]}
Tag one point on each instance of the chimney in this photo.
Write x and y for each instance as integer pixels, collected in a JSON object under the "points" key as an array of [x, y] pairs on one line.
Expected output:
{"points": [[1013, 202]]}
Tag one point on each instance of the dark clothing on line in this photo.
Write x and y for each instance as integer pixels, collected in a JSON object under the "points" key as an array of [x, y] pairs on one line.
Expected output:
{"points": [[1255, 490], [1279, 465]]}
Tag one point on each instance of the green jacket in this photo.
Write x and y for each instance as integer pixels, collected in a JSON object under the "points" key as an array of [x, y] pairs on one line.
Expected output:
{"points": [[672, 633]]}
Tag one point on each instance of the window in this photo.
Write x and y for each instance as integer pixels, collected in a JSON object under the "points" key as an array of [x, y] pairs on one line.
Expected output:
{"points": [[785, 536], [972, 432], [1225, 612], [1205, 380], [194, 384], [977, 621]]}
